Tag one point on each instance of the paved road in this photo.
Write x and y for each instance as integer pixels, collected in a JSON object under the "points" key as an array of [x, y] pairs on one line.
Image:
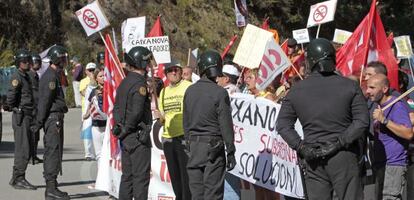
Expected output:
{"points": [[78, 174]]}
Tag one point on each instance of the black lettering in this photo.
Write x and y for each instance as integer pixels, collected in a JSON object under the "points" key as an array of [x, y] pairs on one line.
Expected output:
{"points": [[237, 110], [265, 179], [272, 119], [257, 115], [282, 176], [241, 163], [248, 115], [247, 165]]}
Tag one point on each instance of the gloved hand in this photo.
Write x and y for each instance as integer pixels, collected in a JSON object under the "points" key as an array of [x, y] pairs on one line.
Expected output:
{"points": [[35, 128], [7, 108], [329, 148], [231, 162], [309, 151]]}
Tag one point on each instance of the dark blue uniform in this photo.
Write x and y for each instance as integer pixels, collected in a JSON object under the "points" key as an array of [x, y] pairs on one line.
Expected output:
{"points": [[34, 78], [208, 125], [132, 108]]}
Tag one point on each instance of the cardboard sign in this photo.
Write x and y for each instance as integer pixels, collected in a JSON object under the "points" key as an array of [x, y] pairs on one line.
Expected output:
{"points": [[92, 18], [132, 30], [341, 36], [301, 35], [159, 46], [252, 45], [321, 13], [403, 45]]}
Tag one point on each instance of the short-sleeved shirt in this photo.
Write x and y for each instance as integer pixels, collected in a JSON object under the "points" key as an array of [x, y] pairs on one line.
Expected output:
{"points": [[82, 87], [388, 147], [171, 103]]}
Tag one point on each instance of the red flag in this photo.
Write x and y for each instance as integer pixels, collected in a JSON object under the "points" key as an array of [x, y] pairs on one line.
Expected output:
{"points": [[157, 31], [265, 24], [113, 77], [368, 43], [228, 47]]}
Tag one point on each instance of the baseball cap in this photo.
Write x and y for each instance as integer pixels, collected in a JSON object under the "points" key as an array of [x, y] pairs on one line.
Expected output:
{"points": [[231, 70], [90, 66]]}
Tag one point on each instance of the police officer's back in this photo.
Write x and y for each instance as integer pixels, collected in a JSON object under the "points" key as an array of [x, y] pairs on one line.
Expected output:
{"points": [[34, 78], [208, 127], [334, 116], [133, 119]]}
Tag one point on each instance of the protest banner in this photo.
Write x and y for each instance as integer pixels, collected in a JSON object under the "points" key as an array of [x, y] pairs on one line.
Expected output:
{"points": [[274, 62], [132, 30], [263, 157], [321, 13], [159, 46], [301, 35], [92, 18], [252, 46], [341, 36], [403, 45]]}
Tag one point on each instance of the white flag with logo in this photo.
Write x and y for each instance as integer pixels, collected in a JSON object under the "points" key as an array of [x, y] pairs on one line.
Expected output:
{"points": [[92, 18], [321, 13]]}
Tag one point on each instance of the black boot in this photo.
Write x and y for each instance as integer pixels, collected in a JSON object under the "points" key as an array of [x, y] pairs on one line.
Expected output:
{"points": [[23, 184], [37, 160], [52, 192]]}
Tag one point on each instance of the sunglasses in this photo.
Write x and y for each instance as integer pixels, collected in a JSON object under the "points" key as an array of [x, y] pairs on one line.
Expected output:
{"points": [[174, 69]]}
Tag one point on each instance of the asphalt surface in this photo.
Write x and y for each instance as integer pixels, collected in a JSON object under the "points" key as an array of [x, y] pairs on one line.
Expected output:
{"points": [[78, 173]]}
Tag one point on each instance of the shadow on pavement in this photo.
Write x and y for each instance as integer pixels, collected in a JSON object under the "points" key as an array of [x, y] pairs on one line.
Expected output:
{"points": [[7, 147], [88, 195], [70, 183], [74, 160]]}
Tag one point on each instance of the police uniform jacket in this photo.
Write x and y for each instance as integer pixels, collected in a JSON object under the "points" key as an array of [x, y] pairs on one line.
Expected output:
{"points": [[20, 93], [328, 106], [51, 97], [132, 106], [207, 112], [34, 78]]}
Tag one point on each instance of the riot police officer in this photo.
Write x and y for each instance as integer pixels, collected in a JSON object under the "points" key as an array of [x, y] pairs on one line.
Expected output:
{"points": [[50, 112], [208, 129], [20, 101], [133, 120], [100, 59], [36, 64], [334, 117]]}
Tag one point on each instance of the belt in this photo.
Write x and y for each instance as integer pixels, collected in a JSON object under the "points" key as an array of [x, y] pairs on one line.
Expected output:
{"points": [[99, 123], [204, 138]]}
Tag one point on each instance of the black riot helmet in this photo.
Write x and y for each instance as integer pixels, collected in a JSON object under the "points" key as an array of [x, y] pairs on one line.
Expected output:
{"points": [[56, 54], [100, 56], [210, 64], [138, 57], [21, 56], [321, 55], [36, 58]]}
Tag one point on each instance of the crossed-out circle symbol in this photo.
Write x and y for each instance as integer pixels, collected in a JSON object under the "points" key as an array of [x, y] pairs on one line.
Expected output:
{"points": [[90, 19], [320, 13]]}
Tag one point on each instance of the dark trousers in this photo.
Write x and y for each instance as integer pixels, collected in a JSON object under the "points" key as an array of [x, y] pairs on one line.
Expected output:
{"points": [[339, 173], [21, 145], [53, 142], [206, 177], [136, 166], [177, 166], [410, 179]]}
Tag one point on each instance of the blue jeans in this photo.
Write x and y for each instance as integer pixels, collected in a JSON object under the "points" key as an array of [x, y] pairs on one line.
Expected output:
{"points": [[231, 187]]}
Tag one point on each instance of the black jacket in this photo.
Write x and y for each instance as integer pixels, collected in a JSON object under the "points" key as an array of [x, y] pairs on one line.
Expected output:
{"points": [[329, 107], [207, 112], [20, 93]]}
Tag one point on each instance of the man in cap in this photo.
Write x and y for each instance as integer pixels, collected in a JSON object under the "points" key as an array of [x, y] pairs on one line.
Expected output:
{"points": [[133, 120], [20, 101], [334, 117], [77, 75], [171, 113], [228, 79], [208, 129], [50, 113]]}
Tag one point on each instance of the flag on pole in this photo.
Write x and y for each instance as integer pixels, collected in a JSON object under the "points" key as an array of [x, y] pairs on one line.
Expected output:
{"points": [[92, 18], [228, 47], [157, 31], [265, 24], [390, 39], [368, 43]]}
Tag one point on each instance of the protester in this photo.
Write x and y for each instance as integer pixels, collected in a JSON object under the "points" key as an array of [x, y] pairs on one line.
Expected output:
{"points": [[132, 115], [208, 129], [34, 78], [87, 84], [250, 81], [100, 59], [228, 79], [393, 130], [187, 73], [20, 101], [171, 113], [77, 75], [331, 132], [50, 114]]}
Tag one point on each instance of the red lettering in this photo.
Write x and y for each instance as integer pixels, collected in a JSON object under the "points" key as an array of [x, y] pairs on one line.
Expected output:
{"points": [[164, 174], [262, 139], [238, 134]]}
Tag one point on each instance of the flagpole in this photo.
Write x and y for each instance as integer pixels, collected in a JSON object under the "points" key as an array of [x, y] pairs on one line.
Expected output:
{"points": [[317, 32], [188, 58], [411, 69], [302, 47], [239, 79], [113, 57]]}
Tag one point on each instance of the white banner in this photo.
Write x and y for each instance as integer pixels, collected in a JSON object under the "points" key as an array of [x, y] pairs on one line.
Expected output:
{"points": [[341, 36], [252, 45], [403, 45], [301, 35], [321, 13], [132, 30], [159, 46], [263, 157], [240, 18], [274, 62], [92, 18]]}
